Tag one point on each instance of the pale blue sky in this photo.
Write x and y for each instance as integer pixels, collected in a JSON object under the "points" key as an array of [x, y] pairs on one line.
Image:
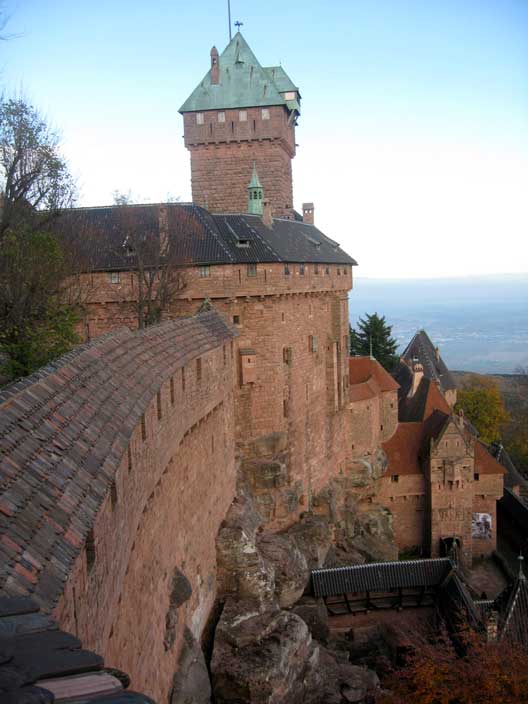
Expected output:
{"points": [[414, 128]]}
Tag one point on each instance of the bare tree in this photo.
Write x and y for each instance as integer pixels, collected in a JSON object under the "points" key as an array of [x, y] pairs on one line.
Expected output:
{"points": [[154, 260]]}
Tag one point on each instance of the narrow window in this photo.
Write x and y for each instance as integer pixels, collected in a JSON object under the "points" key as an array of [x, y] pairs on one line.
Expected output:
{"points": [[395, 478], [327, 271], [225, 355], [301, 269], [158, 404], [198, 369], [114, 277], [210, 128], [265, 114], [90, 550], [113, 495], [476, 477], [316, 269], [251, 269], [204, 272], [212, 444], [172, 390], [285, 408], [129, 453], [236, 320], [286, 270], [338, 271], [221, 117], [183, 378], [143, 428], [242, 115], [283, 317], [199, 118]]}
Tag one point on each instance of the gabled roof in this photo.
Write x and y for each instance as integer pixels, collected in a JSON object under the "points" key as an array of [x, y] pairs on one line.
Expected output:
{"points": [[196, 236], [513, 624], [361, 369], [403, 449], [242, 82], [380, 576], [423, 403], [421, 348], [485, 463]]}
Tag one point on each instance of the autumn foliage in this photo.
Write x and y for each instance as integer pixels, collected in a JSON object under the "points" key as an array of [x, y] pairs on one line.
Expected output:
{"points": [[482, 403], [475, 672]]}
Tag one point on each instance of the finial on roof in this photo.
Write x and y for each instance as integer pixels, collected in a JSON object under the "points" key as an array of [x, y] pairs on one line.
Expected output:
{"points": [[521, 572], [238, 25], [255, 194]]}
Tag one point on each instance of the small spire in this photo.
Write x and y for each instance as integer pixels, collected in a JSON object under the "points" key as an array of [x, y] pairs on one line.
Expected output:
{"points": [[521, 572], [255, 194]]}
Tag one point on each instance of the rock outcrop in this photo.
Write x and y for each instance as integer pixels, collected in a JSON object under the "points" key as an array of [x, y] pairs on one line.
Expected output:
{"points": [[191, 683]]}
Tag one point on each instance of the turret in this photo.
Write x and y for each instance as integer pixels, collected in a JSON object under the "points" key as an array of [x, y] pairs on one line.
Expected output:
{"points": [[255, 194]]}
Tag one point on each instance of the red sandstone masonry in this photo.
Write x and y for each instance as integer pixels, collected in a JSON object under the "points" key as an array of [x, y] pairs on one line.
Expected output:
{"points": [[158, 488]]}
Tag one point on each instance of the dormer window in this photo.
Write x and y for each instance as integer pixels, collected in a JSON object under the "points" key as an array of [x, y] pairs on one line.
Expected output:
{"points": [[291, 95], [199, 118], [242, 115], [242, 243], [221, 117], [265, 114]]}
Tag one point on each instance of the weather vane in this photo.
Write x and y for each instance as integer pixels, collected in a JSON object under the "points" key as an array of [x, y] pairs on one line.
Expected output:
{"points": [[238, 25]]}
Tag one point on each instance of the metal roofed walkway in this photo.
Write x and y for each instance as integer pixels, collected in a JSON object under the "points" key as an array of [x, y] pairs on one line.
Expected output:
{"points": [[380, 576]]}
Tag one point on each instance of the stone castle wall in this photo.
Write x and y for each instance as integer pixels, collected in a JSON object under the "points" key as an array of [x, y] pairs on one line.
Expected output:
{"points": [[127, 561], [222, 156]]}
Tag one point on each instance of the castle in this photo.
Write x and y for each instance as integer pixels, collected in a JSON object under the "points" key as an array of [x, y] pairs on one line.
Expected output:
{"points": [[122, 461]]}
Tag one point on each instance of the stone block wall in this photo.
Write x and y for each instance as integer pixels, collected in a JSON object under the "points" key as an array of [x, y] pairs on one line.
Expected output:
{"points": [[406, 500], [222, 156], [135, 439]]}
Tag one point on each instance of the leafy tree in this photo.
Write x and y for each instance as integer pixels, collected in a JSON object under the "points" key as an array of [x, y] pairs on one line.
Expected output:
{"points": [[373, 330], [436, 672], [39, 299], [482, 403], [35, 181]]}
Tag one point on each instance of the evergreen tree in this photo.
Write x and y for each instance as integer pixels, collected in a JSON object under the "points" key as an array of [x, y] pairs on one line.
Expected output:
{"points": [[373, 330]]}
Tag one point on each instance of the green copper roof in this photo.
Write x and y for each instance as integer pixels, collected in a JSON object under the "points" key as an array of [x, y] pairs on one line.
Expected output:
{"points": [[255, 182], [281, 79], [243, 83]]}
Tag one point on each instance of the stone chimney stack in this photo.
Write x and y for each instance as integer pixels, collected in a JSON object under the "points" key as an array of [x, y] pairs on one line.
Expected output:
{"points": [[267, 217], [308, 213], [215, 68], [417, 376]]}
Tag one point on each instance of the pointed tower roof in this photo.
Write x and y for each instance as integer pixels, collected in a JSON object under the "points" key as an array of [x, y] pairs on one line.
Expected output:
{"points": [[514, 626], [255, 181], [242, 83]]}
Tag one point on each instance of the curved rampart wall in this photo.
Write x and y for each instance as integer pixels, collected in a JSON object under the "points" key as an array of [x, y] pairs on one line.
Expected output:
{"points": [[117, 469]]}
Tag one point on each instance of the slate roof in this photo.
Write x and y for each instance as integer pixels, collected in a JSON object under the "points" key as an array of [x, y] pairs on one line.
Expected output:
{"points": [[100, 237], [380, 576], [242, 82], [40, 663], [513, 624], [63, 433], [455, 603], [422, 348]]}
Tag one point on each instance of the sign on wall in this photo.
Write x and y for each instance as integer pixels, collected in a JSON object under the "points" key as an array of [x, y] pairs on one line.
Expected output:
{"points": [[481, 525]]}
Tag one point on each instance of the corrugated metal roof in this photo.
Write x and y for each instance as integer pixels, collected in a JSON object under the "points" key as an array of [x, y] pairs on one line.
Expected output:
{"points": [[380, 576]]}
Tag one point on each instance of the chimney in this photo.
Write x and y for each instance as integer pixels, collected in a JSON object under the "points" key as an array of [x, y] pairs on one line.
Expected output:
{"points": [[308, 213], [437, 354], [267, 217], [215, 68], [461, 419], [417, 376]]}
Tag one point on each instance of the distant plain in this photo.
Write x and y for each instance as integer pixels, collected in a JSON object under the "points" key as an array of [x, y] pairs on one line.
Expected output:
{"points": [[479, 323]]}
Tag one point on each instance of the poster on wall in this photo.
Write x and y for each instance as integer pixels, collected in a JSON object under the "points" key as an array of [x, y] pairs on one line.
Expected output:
{"points": [[481, 525]]}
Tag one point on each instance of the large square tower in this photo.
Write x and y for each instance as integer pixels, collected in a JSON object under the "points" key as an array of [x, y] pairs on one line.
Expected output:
{"points": [[240, 115]]}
